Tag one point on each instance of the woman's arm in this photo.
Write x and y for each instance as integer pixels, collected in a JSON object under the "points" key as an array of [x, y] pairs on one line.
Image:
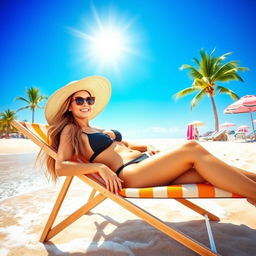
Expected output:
{"points": [[142, 148], [65, 167]]}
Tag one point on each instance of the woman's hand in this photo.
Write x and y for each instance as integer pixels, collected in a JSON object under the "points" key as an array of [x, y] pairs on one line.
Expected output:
{"points": [[152, 150], [113, 182]]}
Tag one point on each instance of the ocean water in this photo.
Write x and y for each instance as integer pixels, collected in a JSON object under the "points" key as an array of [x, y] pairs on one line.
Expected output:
{"points": [[19, 175]]}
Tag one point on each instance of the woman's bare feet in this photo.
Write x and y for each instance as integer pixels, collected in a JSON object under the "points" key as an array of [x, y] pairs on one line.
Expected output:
{"points": [[251, 201]]}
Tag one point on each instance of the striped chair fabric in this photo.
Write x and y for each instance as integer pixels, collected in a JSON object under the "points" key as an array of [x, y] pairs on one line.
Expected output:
{"points": [[173, 191]]}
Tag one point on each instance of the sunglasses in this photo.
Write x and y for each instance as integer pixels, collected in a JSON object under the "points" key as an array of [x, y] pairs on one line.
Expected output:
{"points": [[80, 100]]}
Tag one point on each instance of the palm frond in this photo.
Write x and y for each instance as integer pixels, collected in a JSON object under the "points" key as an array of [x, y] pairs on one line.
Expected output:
{"points": [[26, 107], [224, 56], [194, 73], [203, 62], [196, 61], [229, 76], [185, 66], [224, 90], [242, 69], [200, 83], [22, 99], [213, 51], [197, 98], [232, 65], [185, 92]]}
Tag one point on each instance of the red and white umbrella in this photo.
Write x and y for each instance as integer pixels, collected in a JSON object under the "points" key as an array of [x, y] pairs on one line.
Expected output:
{"points": [[246, 104], [227, 124], [243, 128]]}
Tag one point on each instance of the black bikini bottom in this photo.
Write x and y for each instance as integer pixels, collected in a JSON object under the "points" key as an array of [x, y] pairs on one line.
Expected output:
{"points": [[134, 161]]}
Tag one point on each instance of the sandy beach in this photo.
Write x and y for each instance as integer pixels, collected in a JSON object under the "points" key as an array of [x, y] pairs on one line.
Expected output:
{"points": [[111, 230]]}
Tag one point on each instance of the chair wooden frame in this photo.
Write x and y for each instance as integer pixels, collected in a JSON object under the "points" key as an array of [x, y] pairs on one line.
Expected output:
{"points": [[96, 198]]}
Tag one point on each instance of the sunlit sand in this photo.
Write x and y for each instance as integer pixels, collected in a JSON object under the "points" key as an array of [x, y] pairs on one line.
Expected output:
{"points": [[110, 230]]}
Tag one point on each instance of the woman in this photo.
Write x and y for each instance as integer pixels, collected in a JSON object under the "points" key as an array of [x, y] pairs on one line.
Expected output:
{"points": [[119, 163]]}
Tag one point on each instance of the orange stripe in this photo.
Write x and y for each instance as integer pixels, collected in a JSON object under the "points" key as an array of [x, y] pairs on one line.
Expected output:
{"points": [[205, 190], [122, 192], [237, 196], [40, 132], [146, 192], [174, 191]]}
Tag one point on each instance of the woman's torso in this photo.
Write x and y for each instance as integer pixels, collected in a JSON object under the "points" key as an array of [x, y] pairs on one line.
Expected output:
{"points": [[114, 155]]}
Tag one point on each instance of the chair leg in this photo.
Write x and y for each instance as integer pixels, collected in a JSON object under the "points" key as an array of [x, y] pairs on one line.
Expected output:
{"points": [[92, 194], [152, 220], [197, 209], [56, 208], [75, 215]]}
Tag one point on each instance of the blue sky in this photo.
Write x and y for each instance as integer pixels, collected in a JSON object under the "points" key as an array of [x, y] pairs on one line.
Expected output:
{"points": [[45, 44]]}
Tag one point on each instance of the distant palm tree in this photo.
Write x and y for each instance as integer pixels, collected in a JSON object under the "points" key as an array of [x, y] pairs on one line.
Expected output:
{"points": [[209, 70], [6, 118], [34, 98]]}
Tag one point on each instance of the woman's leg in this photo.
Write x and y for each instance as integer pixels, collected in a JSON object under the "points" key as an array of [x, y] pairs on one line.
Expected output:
{"points": [[164, 167], [192, 176]]}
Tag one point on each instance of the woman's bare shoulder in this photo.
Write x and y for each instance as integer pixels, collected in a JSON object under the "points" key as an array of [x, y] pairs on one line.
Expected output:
{"points": [[67, 129]]}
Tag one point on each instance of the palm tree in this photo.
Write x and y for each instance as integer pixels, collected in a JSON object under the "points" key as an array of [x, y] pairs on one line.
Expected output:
{"points": [[209, 70], [6, 118], [34, 98]]}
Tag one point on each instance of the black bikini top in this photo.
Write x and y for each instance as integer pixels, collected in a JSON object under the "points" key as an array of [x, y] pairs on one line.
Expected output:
{"points": [[100, 141]]}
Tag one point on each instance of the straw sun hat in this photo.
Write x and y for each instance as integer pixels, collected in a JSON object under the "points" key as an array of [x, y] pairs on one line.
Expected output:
{"points": [[99, 87]]}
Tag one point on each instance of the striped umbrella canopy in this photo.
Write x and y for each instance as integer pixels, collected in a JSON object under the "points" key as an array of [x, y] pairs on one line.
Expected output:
{"points": [[243, 128], [246, 104], [227, 124], [197, 123]]}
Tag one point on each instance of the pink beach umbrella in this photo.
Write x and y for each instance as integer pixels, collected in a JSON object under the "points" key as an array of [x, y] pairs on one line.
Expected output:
{"points": [[243, 128], [246, 104], [227, 125]]}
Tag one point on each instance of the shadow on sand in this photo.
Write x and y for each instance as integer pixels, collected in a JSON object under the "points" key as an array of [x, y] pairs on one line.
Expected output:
{"points": [[137, 238]]}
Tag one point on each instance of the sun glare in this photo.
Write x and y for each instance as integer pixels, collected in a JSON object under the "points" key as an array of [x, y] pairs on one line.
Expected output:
{"points": [[107, 42], [108, 45]]}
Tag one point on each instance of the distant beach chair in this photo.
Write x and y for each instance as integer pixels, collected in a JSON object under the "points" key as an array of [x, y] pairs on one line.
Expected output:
{"points": [[240, 135], [251, 136], [207, 135], [218, 136], [230, 135], [38, 134]]}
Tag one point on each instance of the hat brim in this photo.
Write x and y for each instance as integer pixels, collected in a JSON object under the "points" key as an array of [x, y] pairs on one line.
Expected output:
{"points": [[99, 87]]}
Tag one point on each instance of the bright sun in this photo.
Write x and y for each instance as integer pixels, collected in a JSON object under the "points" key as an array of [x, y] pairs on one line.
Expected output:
{"points": [[106, 43]]}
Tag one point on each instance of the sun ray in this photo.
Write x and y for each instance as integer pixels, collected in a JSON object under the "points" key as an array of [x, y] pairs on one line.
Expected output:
{"points": [[108, 42]]}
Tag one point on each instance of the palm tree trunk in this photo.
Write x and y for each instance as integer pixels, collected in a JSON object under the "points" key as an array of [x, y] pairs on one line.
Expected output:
{"points": [[215, 114], [33, 113]]}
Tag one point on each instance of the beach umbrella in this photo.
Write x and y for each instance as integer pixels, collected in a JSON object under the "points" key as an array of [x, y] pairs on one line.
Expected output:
{"points": [[243, 128], [226, 125], [246, 104], [197, 123]]}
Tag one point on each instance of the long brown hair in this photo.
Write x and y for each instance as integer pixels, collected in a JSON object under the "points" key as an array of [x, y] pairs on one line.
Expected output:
{"points": [[63, 118]]}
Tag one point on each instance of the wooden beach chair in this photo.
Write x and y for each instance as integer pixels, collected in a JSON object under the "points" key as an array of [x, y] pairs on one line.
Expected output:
{"points": [[38, 134], [218, 136]]}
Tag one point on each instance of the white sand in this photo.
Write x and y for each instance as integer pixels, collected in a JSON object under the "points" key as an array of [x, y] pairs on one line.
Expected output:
{"points": [[8, 146], [111, 230]]}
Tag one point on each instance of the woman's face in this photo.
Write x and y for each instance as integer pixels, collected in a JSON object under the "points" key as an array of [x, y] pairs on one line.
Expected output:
{"points": [[80, 111]]}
